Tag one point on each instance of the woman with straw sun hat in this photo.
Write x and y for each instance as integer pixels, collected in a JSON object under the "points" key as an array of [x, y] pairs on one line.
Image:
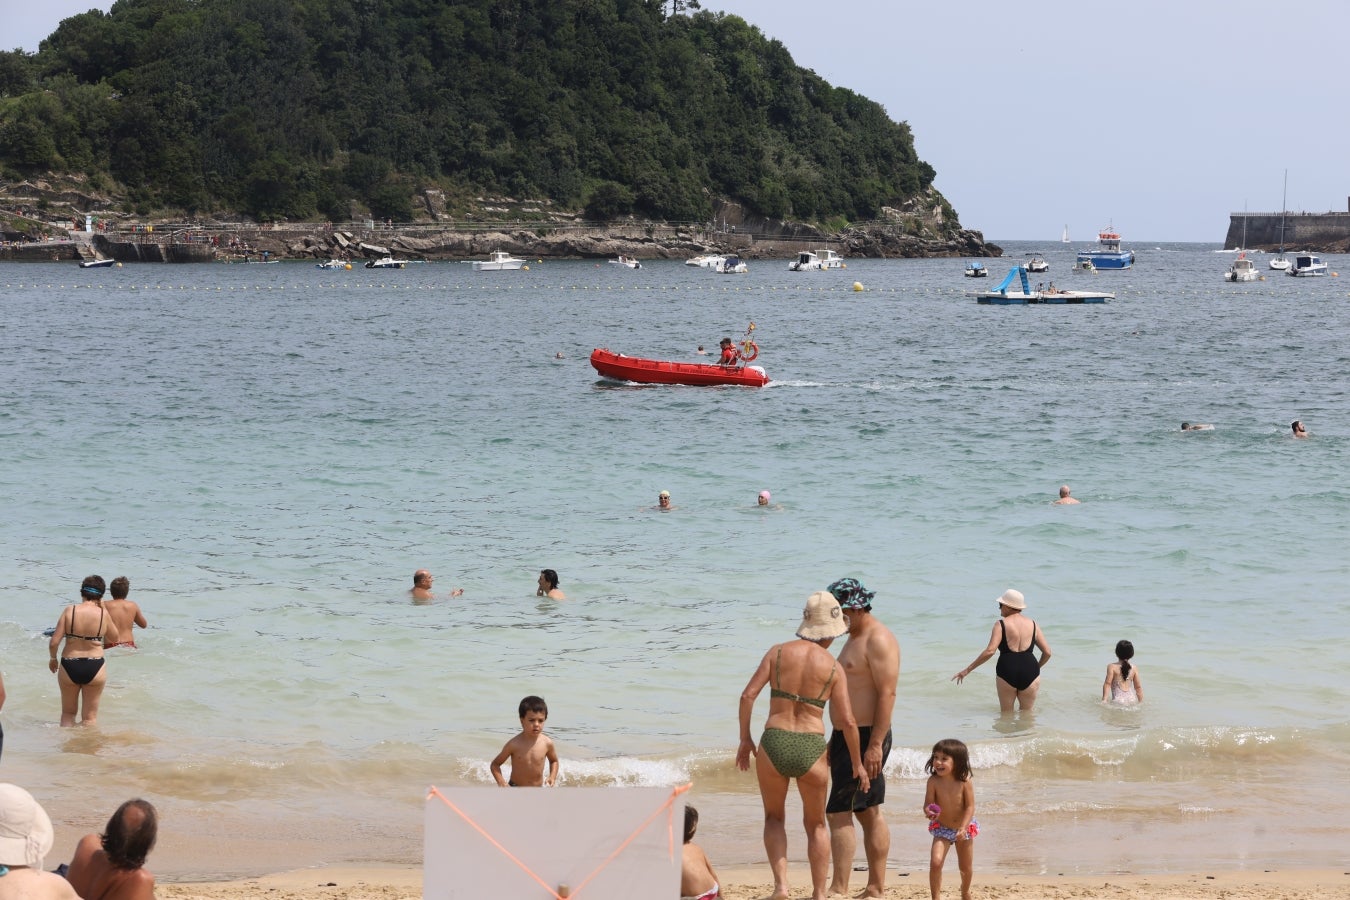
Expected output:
{"points": [[803, 678]]}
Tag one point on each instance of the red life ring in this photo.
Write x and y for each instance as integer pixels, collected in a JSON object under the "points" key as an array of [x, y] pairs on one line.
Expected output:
{"points": [[749, 350]]}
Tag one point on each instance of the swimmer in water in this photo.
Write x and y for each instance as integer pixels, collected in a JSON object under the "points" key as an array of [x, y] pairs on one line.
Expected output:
{"points": [[764, 498], [1187, 426]]}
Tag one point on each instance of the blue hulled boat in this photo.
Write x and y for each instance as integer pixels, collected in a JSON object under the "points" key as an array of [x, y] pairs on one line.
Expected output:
{"points": [[1108, 254]]}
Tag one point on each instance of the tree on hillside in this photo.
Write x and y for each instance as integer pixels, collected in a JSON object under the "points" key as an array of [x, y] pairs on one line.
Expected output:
{"points": [[296, 108]]}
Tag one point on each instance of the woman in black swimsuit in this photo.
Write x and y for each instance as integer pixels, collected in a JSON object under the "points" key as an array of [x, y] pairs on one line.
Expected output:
{"points": [[86, 630], [1019, 672]]}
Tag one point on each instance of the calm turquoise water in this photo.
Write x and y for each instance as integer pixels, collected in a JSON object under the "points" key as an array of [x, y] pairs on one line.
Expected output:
{"points": [[268, 452]]}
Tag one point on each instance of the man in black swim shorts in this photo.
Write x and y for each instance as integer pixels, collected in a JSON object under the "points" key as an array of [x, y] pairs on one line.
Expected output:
{"points": [[871, 663]]}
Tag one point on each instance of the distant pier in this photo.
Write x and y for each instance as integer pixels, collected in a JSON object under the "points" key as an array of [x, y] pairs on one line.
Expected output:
{"points": [[1325, 231]]}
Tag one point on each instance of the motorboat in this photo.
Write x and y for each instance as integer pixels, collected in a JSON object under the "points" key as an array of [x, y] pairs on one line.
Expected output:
{"points": [[707, 261], [386, 262], [1242, 269], [1108, 254], [807, 261], [1279, 263], [1084, 265], [1005, 295], [1306, 264], [619, 367], [626, 261], [99, 263], [733, 265], [498, 261], [976, 270], [334, 264], [1037, 263]]}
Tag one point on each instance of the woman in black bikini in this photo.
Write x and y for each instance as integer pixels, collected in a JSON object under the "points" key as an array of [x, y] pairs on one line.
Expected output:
{"points": [[1019, 672], [86, 629]]}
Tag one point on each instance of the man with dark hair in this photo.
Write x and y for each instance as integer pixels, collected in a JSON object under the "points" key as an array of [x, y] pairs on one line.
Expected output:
{"points": [[871, 663], [111, 865], [123, 612]]}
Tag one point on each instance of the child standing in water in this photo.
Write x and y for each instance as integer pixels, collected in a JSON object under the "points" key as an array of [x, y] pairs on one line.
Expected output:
{"points": [[949, 804], [698, 881], [529, 750], [1122, 679]]}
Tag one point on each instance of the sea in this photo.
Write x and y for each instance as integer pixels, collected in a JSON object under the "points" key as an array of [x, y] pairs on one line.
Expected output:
{"points": [[268, 452]]}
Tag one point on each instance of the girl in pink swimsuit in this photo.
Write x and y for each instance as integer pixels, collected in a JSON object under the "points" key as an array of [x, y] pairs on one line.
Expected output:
{"points": [[1122, 683]]}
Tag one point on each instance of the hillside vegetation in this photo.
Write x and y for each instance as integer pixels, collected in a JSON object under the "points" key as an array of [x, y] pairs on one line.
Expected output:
{"points": [[299, 109]]}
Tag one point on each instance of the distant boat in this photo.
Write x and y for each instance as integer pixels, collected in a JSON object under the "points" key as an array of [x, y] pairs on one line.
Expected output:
{"points": [[1306, 264], [387, 262], [1279, 263], [732, 265], [1037, 263], [1065, 239], [1084, 265], [1108, 254], [498, 261], [626, 261], [333, 264], [807, 261], [707, 261], [1242, 269], [976, 270], [98, 263]]}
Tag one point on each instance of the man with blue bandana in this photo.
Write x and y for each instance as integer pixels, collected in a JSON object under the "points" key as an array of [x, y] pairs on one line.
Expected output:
{"points": [[871, 663]]}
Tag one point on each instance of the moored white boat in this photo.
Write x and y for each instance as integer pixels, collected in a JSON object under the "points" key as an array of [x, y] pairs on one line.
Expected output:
{"points": [[498, 261], [1037, 263], [733, 265], [1281, 262], [1307, 264], [976, 270], [387, 262], [334, 264], [626, 261], [707, 261], [807, 261], [1242, 269], [99, 263]]}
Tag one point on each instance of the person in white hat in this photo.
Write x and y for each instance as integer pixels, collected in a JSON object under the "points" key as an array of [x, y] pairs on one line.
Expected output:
{"points": [[25, 840], [1019, 672], [803, 679]]}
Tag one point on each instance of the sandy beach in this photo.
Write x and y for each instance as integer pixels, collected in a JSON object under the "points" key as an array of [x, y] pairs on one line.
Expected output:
{"points": [[747, 883]]}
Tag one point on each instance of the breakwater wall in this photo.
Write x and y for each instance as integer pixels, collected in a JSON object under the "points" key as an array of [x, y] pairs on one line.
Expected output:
{"points": [[1327, 231]]}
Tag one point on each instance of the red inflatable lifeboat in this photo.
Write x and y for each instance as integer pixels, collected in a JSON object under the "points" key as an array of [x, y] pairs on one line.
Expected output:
{"points": [[657, 371]]}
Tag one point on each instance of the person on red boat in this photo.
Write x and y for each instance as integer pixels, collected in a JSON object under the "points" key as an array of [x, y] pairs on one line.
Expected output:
{"points": [[730, 355]]}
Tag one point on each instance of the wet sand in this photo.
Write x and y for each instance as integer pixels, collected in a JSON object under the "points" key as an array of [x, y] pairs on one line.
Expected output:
{"points": [[747, 883]]}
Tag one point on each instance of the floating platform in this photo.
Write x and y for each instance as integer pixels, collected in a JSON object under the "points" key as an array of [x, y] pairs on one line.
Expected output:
{"points": [[1002, 296]]}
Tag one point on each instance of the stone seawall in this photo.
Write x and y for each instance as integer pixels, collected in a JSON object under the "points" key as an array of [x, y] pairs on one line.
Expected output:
{"points": [[1328, 232]]}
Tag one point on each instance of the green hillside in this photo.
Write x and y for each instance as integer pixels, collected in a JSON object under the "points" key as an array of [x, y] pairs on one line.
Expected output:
{"points": [[295, 108]]}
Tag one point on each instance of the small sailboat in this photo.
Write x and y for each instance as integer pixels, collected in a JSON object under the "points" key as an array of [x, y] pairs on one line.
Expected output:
{"points": [[1065, 239], [1280, 263]]}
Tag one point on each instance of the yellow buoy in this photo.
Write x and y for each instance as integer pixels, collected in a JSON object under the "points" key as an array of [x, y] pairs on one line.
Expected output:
{"points": [[857, 286], [526, 268]]}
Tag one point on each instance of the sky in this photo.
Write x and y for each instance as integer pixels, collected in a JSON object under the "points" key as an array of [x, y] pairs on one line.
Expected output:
{"points": [[1161, 117]]}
